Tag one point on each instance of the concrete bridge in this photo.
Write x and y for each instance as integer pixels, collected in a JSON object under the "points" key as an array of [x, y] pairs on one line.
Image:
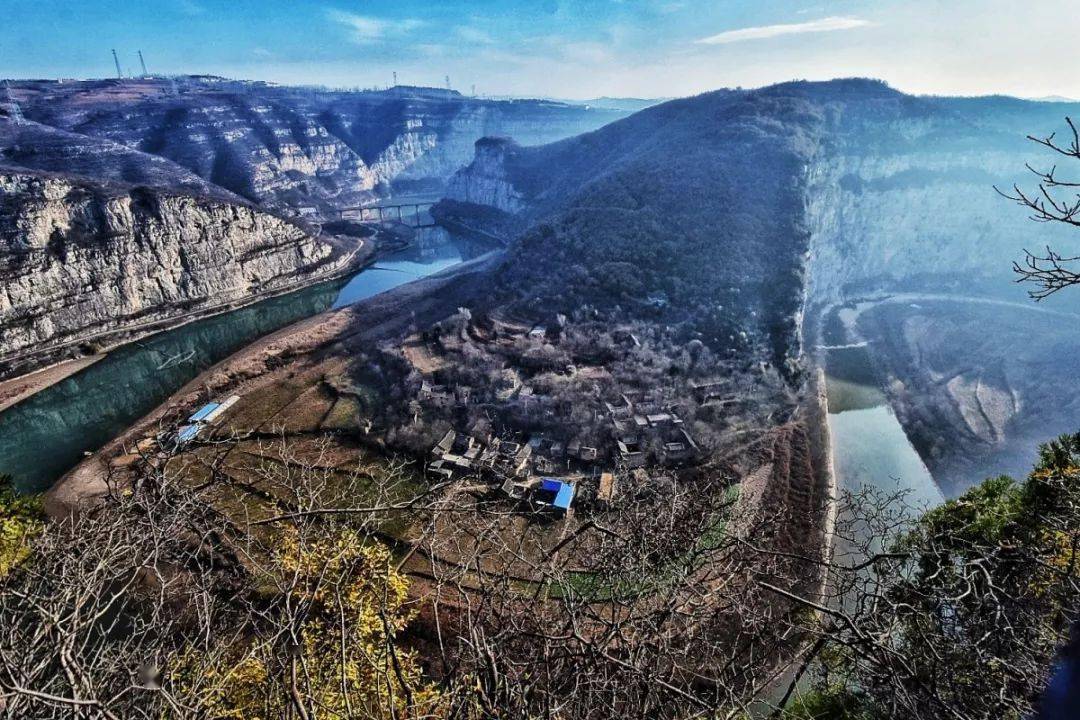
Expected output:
{"points": [[415, 215]]}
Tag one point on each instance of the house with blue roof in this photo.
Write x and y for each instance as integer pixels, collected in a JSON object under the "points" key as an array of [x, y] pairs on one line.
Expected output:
{"points": [[555, 493]]}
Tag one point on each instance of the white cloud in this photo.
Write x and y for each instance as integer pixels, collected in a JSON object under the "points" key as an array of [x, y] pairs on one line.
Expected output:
{"points": [[365, 30], [472, 34], [763, 32]]}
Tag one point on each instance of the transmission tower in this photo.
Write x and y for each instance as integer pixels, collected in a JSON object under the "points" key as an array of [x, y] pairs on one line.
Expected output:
{"points": [[143, 63], [395, 79], [116, 61], [447, 82]]}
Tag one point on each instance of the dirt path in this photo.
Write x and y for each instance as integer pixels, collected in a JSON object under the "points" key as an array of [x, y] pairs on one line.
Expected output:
{"points": [[14, 391]]}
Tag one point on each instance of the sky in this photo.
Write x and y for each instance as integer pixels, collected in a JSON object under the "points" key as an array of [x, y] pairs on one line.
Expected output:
{"points": [[573, 49]]}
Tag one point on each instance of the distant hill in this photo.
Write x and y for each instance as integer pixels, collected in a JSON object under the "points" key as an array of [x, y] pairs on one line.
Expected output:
{"points": [[276, 146], [614, 103], [1054, 98]]}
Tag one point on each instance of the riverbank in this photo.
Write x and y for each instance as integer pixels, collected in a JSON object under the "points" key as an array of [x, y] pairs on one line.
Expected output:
{"points": [[20, 365], [293, 351], [23, 387], [977, 383]]}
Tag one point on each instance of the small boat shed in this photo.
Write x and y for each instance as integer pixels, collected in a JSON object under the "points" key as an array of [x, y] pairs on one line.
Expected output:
{"points": [[205, 415]]}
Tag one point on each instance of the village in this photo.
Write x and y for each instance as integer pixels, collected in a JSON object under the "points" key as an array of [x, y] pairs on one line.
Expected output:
{"points": [[542, 413], [548, 419]]}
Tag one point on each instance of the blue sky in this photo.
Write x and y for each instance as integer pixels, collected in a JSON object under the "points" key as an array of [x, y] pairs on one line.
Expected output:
{"points": [[560, 48]]}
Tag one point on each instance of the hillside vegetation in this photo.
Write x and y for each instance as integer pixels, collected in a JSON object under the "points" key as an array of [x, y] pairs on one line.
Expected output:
{"points": [[722, 210]]}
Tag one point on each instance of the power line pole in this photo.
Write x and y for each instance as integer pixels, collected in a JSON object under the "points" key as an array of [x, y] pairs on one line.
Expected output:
{"points": [[143, 63], [116, 60]]}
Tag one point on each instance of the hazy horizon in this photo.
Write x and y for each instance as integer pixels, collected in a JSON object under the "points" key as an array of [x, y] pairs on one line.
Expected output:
{"points": [[534, 96], [587, 49]]}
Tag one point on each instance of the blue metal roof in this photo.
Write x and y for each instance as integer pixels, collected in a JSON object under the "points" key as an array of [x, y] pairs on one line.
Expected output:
{"points": [[565, 497], [550, 485], [188, 432], [206, 410], [564, 492]]}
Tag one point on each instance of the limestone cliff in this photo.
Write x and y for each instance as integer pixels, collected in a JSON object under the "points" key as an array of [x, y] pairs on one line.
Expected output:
{"points": [[486, 181], [927, 218], [281, 147], [80, 260]]}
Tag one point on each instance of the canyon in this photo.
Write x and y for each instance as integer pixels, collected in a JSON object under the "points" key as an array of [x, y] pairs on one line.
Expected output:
{"points": [[655, 320], [132, 204]]}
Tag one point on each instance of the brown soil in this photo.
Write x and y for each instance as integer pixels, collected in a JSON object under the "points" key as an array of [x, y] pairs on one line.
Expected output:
{"points": [[14, 391], [272, 372]]}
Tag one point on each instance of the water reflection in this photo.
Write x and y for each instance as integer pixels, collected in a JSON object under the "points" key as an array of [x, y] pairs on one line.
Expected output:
{"points": [[869, 446], [433, 250], [47, 434]]}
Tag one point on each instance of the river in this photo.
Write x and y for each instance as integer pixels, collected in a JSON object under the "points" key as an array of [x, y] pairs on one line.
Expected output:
{"points": [[44, 436], [869, 446]]}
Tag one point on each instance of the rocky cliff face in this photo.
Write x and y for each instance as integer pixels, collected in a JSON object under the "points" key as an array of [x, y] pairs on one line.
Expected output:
{"points": [[486, 180], [277, 146], [925, 219], [78, 260]]}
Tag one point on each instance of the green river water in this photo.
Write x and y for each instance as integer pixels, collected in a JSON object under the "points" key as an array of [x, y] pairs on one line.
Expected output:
{"points": [[44, 436]]}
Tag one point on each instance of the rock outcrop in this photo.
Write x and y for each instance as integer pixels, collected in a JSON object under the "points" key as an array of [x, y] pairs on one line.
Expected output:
{"points": [[486, 180], [82, 260]]}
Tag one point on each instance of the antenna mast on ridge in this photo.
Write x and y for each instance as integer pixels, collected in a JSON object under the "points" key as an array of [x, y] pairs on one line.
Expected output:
{"points": [[116, 60], [447, 82], [395, 78], [143, 63]]}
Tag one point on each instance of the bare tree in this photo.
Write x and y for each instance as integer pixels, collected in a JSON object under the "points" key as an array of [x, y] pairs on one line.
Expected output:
{"points": [[168, 600], [1055, 200]]}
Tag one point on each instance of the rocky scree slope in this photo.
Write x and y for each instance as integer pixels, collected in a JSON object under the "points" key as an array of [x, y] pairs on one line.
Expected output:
{"points": [[80, 259]]}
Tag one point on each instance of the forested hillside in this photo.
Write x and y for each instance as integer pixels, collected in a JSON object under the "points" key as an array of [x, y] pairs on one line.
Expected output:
{"points": [[720, 213]]}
